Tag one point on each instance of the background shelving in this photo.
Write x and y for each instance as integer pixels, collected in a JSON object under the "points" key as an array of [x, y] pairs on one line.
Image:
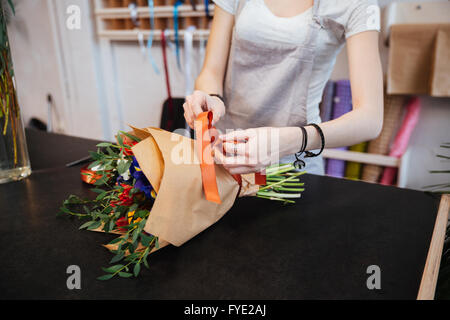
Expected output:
{"points": [[114, 19]]}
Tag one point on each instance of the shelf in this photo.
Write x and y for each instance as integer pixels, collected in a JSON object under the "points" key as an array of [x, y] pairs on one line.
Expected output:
{"points": [[160, 12], [361, 157], [132, 35]]}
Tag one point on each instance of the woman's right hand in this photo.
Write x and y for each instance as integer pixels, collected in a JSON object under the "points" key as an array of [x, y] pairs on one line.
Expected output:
{"points": [[199, 102]]}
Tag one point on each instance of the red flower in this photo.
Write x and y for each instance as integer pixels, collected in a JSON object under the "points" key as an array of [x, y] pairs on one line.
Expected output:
{"points": [[124, 197], [121, 223], [129, 143]]}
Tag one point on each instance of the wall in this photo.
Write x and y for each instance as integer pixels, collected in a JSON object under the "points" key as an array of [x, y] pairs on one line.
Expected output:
{"points": [[99, 89]]}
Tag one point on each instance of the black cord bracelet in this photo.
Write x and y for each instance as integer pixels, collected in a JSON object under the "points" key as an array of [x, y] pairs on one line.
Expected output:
{"points": [[299, 163], [309, 154], [218, 96]]}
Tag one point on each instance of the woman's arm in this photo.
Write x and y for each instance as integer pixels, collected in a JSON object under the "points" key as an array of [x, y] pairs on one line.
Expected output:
{"points": [[212, 75], [363, 123]]}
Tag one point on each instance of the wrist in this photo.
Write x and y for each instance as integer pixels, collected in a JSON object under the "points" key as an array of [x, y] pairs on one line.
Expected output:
{"points": [[290, 140], [217, 97]]}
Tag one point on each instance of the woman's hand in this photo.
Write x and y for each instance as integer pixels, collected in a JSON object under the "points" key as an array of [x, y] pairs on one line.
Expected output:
{"points": [[199, 102], [252, 150]]}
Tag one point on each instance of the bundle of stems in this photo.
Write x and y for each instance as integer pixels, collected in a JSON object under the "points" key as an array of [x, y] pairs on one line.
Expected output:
{"points": [[283, 183], [9, 108]]}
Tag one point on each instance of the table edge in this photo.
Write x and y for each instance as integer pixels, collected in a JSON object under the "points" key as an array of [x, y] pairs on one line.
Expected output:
{"points": [[431, 271]]}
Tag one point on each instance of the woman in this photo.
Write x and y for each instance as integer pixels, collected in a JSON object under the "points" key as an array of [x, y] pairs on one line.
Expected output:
{"points": [[266, 65]]}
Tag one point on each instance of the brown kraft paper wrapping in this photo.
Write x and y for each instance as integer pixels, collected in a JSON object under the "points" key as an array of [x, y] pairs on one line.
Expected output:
{"points": [[170, 163]]}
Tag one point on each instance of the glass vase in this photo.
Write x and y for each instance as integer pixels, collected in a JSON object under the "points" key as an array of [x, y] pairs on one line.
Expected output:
{"points": [[14, 160]]}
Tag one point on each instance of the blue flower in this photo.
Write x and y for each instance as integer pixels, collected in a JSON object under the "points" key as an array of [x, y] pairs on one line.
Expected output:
{"points": [[142, 182]]}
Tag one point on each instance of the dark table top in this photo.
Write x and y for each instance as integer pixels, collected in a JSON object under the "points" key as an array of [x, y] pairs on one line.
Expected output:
{"points": [[318, 248]]}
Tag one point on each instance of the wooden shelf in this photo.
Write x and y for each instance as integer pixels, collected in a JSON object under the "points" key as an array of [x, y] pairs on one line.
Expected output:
{"points": [[132, 35], [160, 12], [114, 23], [361, 157]]}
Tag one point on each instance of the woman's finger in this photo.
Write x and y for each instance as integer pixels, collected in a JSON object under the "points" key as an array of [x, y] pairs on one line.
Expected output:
{"points": [[242, 170], [235, 149], [221, 158], [217, 107], [188, 115], [236, 135], [198, 103]]}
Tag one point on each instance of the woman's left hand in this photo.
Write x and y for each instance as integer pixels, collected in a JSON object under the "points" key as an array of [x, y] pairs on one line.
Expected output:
{"points": [[252, 150]]}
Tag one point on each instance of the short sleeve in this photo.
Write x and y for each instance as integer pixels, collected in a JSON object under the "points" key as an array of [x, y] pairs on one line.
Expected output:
{"points": [[227, 5], [363, 15]]}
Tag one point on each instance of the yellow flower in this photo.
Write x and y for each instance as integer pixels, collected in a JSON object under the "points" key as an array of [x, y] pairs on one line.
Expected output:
{"points": [[130, 217]]}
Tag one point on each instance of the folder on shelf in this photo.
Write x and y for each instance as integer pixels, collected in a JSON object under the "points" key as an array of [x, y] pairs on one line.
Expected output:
{"points": [[393, 110], [353, 169]]}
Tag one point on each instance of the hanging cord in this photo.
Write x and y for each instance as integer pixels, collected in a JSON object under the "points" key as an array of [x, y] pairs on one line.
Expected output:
{"points": [[188, 54], [207, 9], [175, 26], [194, 6], [170, 121], [151, 7], [134, 18]]}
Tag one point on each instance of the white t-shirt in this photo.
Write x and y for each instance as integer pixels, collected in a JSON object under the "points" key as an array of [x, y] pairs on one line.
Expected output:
{"points": [[342, 19]]}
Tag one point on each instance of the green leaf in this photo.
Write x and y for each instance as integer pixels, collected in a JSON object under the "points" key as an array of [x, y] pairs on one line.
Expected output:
{"points": [[141, 214], [105, 277], [96, 190], [96, 155], [114, 268], [95, 225], [136, 269], [117, 257], [104, 144], [134, 138], [146, 262], [133, 207], [65, 210], [125, 274], [101, 196], [103, 180], [123, 166], [120, 140], [112, 224], [87, 224], [116, 240], [135, 235], [145, 240]]}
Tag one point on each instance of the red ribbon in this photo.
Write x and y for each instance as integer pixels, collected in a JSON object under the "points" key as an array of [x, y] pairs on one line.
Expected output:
{"points": [[171, 116], [88, 175], [203, 129], [205, 133]]}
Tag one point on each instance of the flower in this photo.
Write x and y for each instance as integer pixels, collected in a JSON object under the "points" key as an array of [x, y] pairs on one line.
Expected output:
{"points": [[130, 217], [121, 223], [128, 143], [125, 199], [142, 182]]}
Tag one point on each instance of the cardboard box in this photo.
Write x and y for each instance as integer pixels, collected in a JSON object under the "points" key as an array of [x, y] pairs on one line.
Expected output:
{"points": [[419, 60]]}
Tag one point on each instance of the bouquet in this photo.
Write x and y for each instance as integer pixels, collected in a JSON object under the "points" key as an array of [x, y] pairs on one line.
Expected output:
{"points": [[156, 188]]}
